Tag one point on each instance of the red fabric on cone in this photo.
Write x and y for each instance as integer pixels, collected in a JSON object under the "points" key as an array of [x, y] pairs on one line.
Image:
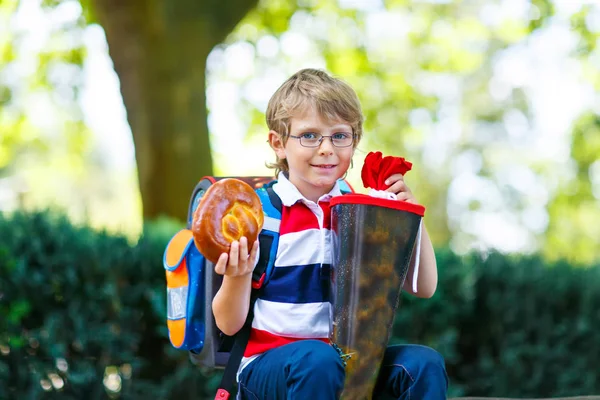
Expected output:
{"points": [[377, 169]]}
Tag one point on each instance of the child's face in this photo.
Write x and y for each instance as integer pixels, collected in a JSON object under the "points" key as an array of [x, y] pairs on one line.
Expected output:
{"points": [[314, 170]]}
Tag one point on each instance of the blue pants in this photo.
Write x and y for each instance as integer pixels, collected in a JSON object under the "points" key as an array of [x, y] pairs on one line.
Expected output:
{"points": [[310, 369]]}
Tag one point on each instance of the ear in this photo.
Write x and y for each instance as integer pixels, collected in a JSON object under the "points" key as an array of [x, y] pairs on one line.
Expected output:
{"points": [[276, 143]]}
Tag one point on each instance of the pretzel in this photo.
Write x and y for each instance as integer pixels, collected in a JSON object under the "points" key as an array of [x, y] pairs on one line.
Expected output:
{"points": [[228, 210]]}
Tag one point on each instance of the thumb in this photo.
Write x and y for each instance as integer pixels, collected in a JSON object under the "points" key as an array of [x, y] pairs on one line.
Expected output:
{"points": [[221, 265]]}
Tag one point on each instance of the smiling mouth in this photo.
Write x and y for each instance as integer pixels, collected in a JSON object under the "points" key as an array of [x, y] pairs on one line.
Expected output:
{"points": [[325, 166]]}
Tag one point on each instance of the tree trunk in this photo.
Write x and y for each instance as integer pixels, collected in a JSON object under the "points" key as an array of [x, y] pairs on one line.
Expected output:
{"points": [[159, 50]]}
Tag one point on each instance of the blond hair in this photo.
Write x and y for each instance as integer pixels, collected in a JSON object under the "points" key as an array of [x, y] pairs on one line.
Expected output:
{"points": [[331, 97]]}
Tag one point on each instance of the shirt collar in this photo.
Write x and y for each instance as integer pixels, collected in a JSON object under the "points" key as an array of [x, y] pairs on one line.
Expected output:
{"points": [[290, 195]]}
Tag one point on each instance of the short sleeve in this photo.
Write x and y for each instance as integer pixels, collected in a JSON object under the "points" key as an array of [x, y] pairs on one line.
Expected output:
{"points": [[417, 258]]}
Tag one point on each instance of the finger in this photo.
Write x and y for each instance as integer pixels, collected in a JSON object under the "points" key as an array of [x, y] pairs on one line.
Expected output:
{"points": [[406, 196], [252, 257], [243, 256], [402, 196], [234, 252], [397, 187], [254, 253], [221, 265], [243, 250], [394, 178]]}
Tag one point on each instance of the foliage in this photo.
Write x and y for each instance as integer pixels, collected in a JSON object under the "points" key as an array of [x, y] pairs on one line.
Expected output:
{"points": [[47, 152], [84, 317], [510, 326], [454, 86], [576, 203], [451, 87], [83, 313]]}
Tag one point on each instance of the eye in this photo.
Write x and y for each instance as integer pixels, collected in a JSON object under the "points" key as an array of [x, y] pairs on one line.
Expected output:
{"points": [[308, 136], [340, 136]]}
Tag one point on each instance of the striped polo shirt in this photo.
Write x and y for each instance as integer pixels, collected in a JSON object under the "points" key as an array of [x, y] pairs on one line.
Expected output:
{"points": [[295, 304]]}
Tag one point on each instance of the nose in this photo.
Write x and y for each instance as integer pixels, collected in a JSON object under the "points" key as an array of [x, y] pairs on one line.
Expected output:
{"points": [[326, 146]]}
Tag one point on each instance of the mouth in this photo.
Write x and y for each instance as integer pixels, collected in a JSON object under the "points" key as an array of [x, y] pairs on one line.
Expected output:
{"points": [[324, 166]]}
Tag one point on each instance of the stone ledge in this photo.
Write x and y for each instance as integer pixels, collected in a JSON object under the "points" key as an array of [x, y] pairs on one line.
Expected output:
{"points": [[548, 398]]}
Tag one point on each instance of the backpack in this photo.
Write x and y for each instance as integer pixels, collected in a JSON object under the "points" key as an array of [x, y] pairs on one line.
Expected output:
{"points": [[192, 283]]}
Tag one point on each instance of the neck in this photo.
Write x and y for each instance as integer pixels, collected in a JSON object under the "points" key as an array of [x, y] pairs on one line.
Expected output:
{"points": [[310, 192], [316, 195]]}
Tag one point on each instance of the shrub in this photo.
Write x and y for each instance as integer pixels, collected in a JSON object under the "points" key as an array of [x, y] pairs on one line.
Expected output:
{"points": [[510, 326], [81, 308]]}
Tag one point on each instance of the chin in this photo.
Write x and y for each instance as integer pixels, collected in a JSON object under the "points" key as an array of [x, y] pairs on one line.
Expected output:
{"points": [[324, 182]]}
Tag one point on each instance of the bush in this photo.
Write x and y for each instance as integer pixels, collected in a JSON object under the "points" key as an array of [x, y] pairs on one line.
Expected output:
{"points": [[510, 326], [82, 307], [83, 316]]}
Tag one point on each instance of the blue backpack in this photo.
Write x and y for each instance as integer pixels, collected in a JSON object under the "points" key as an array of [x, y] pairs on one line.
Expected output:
{"points": [[192, 283]]}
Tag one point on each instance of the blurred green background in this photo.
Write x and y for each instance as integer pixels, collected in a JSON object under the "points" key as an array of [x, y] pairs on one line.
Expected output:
{"points": [[111, 111]]}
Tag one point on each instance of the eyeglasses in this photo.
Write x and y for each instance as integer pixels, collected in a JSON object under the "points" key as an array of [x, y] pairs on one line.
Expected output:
{"points": [[310, 139]]}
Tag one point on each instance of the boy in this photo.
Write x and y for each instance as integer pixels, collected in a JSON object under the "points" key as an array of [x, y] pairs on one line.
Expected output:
{"points": [[315, 124]]}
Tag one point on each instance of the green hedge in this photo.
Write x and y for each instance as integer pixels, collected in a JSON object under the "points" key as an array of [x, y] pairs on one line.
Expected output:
{"points": [[81, 310], [510, 327], [93, 303]]}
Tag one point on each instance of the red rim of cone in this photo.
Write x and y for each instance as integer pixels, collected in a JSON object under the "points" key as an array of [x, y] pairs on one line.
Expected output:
{"points": [[376, 201]]}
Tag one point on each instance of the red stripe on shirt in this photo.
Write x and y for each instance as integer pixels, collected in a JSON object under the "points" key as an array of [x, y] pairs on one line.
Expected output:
{"points": [[261, 341], [297, 218], [326, 215]]}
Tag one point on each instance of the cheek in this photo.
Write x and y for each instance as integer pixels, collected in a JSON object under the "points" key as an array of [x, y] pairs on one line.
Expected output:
{"points": [[299, 154], [346, 158]]}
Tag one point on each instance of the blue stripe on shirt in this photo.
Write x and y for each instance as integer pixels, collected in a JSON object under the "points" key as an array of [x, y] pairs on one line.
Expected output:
{"points": [[299, 284]]}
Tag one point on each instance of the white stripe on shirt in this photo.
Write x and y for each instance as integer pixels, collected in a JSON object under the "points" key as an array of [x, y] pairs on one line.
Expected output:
{"points": [[298, 248], [308, 320]]}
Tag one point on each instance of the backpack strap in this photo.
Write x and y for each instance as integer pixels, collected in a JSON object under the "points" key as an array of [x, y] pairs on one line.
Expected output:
{"points": [[345, 187], [237, 353], [268, 238], [268, 241]]}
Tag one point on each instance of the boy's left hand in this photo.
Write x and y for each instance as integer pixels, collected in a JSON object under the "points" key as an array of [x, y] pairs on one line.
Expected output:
{"points": [[399, 187]]}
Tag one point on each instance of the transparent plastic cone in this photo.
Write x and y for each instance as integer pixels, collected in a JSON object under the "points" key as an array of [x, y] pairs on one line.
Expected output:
{"points": [[372, 249]]}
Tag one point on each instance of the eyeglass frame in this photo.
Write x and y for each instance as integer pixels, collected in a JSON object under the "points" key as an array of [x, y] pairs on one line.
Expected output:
{"points": [[353, 136]]}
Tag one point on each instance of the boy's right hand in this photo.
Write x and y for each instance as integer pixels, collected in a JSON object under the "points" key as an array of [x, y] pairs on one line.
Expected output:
{"points": [[238, 262]]}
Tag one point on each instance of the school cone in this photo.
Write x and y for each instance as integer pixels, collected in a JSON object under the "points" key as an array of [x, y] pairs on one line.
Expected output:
{"points": [[373, 240]]}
